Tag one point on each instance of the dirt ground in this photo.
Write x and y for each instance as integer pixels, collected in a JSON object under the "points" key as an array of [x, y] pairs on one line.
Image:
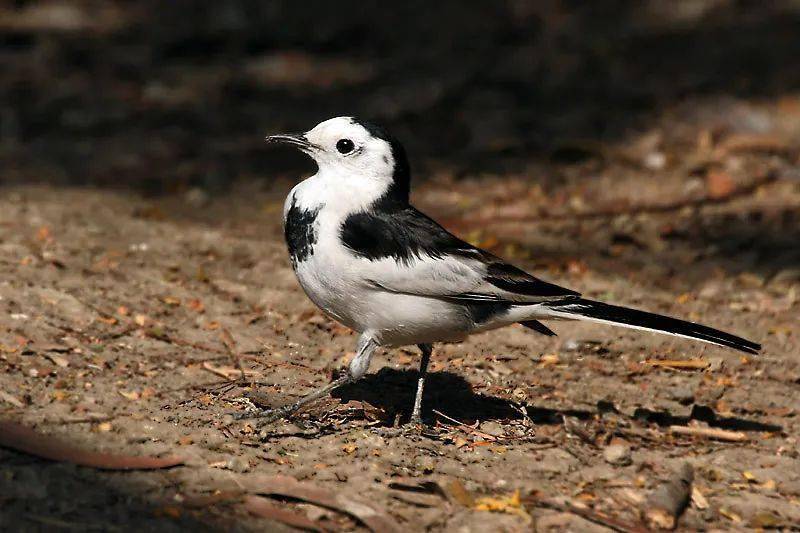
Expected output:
{"points": [[123, 318], [643, 153]]}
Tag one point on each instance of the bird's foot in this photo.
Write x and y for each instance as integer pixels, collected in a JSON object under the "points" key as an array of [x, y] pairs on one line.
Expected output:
{"points": [[413, 428]]}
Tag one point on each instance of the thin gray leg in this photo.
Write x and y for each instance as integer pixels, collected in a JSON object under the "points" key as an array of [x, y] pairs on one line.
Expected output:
{"points": [[358, 367], [416, 414]]}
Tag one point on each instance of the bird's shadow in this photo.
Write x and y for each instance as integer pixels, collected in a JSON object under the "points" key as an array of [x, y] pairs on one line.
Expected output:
{"points": [[448, 393]]}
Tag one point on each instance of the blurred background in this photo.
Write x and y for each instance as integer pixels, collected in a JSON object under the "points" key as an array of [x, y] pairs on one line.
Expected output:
{"points": [[164, 96], [553, 130]]}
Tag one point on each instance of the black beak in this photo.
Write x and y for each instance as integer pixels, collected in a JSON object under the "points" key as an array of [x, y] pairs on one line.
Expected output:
{"points": [[292, 139]]}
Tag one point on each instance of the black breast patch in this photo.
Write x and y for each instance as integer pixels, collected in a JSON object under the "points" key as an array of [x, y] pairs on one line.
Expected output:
{"points": [[300, 233]]}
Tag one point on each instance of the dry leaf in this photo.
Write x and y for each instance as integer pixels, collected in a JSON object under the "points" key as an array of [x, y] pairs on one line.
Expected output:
{"points": [[727, 513], [341, 501], [195, 305], [505, 504], [769, 485], [264, 508], [720, 184], [60, 395], [130, 395], [349, 449], [24, 439], [58, 360], [698, 499], [766, 519], [10, 399], [457, 492]]}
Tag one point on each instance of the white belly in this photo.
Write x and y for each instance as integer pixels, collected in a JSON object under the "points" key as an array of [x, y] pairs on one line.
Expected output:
{"points": [[338, 282], [392, 319]]}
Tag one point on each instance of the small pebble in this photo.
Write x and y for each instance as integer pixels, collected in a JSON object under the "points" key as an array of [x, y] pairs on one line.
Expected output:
{"points": [[239, 464], [493, 428], [683, 394], [618, 454]]}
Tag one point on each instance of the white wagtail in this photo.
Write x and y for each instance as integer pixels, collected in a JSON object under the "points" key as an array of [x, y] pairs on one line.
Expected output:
{"points": [[376, 264]]}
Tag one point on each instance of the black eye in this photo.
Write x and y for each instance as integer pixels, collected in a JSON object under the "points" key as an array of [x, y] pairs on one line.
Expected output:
{"points": [[345, 146]]}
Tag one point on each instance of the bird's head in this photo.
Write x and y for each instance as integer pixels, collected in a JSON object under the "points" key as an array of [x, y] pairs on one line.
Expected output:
{"points": [[357, 152]]}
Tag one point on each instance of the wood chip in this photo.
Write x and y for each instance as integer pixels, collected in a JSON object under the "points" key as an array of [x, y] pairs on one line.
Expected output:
{"points": [[698, 499], [710, 433], [24, 439], [58, 360], [129, 395]]}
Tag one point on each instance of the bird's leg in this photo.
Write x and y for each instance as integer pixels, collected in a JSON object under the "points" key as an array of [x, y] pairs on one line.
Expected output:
{"points": [[416, 414], [358, 367]]}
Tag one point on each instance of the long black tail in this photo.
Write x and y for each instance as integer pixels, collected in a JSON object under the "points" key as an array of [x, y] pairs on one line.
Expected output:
{"points": [[582, 309]]}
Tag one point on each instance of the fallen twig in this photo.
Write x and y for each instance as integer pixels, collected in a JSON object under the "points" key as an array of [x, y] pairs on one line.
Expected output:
{"points": [[666, 503], [228, 372], [710, 433], [588, 514], [465, 428], [87, 419], [680, 364]]}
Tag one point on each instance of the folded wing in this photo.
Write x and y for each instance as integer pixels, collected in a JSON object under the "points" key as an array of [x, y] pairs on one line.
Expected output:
{"points": [[407, 252]]}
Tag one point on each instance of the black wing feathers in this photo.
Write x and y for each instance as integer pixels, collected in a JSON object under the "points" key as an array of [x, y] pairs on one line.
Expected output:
{"points": [[407, 234], [512, 279], [404, 235]]}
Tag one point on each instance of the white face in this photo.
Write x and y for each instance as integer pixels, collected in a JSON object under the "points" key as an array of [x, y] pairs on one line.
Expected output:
{"points": [[344, 147], [357, 165]]}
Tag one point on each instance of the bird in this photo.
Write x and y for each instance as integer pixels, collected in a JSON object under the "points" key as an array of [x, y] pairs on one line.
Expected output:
{"points": [[376, 264]]}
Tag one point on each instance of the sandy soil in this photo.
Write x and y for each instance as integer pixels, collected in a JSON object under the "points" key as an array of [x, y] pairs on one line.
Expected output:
{"points": [[121, 317]]}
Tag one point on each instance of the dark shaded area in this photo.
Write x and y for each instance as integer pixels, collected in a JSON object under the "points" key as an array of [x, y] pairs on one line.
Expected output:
{"points": [[393, 391], [703, 413], [40, 495], [163, 95]]}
